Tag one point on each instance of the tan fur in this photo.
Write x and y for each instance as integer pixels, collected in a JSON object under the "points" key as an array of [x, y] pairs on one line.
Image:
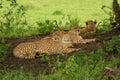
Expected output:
{"points": [[76, 38], [74, 34], [85, 41], [25, 50], [67, 44], [90, 28], [57, 35], [28, 50], [60, 41], [58, 44]]}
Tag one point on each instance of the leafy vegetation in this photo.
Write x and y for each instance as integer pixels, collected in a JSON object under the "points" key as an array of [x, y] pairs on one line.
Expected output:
{"points": [[3, 51], [46, 27], [45, 58], [114, 44], [79, 66], [12, 19], [105, 25]]}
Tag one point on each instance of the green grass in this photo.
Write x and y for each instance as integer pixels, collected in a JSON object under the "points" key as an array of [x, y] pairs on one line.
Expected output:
{"points": [[77, 67], [39, 12], [3, 51], [81, 9]]}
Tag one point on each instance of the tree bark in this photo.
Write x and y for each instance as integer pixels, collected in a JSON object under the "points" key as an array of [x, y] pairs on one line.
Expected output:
{"points": [[116, 10]]}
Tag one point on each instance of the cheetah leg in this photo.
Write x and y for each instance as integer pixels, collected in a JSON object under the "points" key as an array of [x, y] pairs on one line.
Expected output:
{"points": [[85, 41], [69, 50]]}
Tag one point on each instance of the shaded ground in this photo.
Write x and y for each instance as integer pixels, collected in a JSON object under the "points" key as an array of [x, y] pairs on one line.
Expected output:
{"points": [[36, 65]]}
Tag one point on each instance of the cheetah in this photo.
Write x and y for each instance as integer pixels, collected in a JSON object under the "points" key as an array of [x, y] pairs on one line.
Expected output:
{"points": [[28, 50], [76, 38], [60, 42], [57, 35], [74, 32], [25, 50], [90, 28]]}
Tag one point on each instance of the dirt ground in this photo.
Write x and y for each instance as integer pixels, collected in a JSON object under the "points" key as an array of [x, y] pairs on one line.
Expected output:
{"points": [[36, 65]]}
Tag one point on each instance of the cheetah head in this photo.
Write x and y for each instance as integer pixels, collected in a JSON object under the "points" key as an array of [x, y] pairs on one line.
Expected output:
{"points": [[66, 38], [90, 23], [75, 30], [57, 35]]}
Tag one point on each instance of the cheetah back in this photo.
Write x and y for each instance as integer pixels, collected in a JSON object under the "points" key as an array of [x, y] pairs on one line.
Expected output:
{"points": [[25, 50]]}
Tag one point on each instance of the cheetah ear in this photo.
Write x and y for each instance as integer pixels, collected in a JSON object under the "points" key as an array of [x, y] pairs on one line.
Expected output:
{"points": [[86, 22], [95, 21]]}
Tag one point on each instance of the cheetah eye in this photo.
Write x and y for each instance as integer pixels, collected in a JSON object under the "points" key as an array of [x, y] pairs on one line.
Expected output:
{"points": [[78, 30], [55, 38]]}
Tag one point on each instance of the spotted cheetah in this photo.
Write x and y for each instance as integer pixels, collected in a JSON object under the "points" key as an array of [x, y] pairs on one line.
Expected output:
{"points": [[74, 32], [25, 50], [76, 38], [56, 44], [90, 28]]}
